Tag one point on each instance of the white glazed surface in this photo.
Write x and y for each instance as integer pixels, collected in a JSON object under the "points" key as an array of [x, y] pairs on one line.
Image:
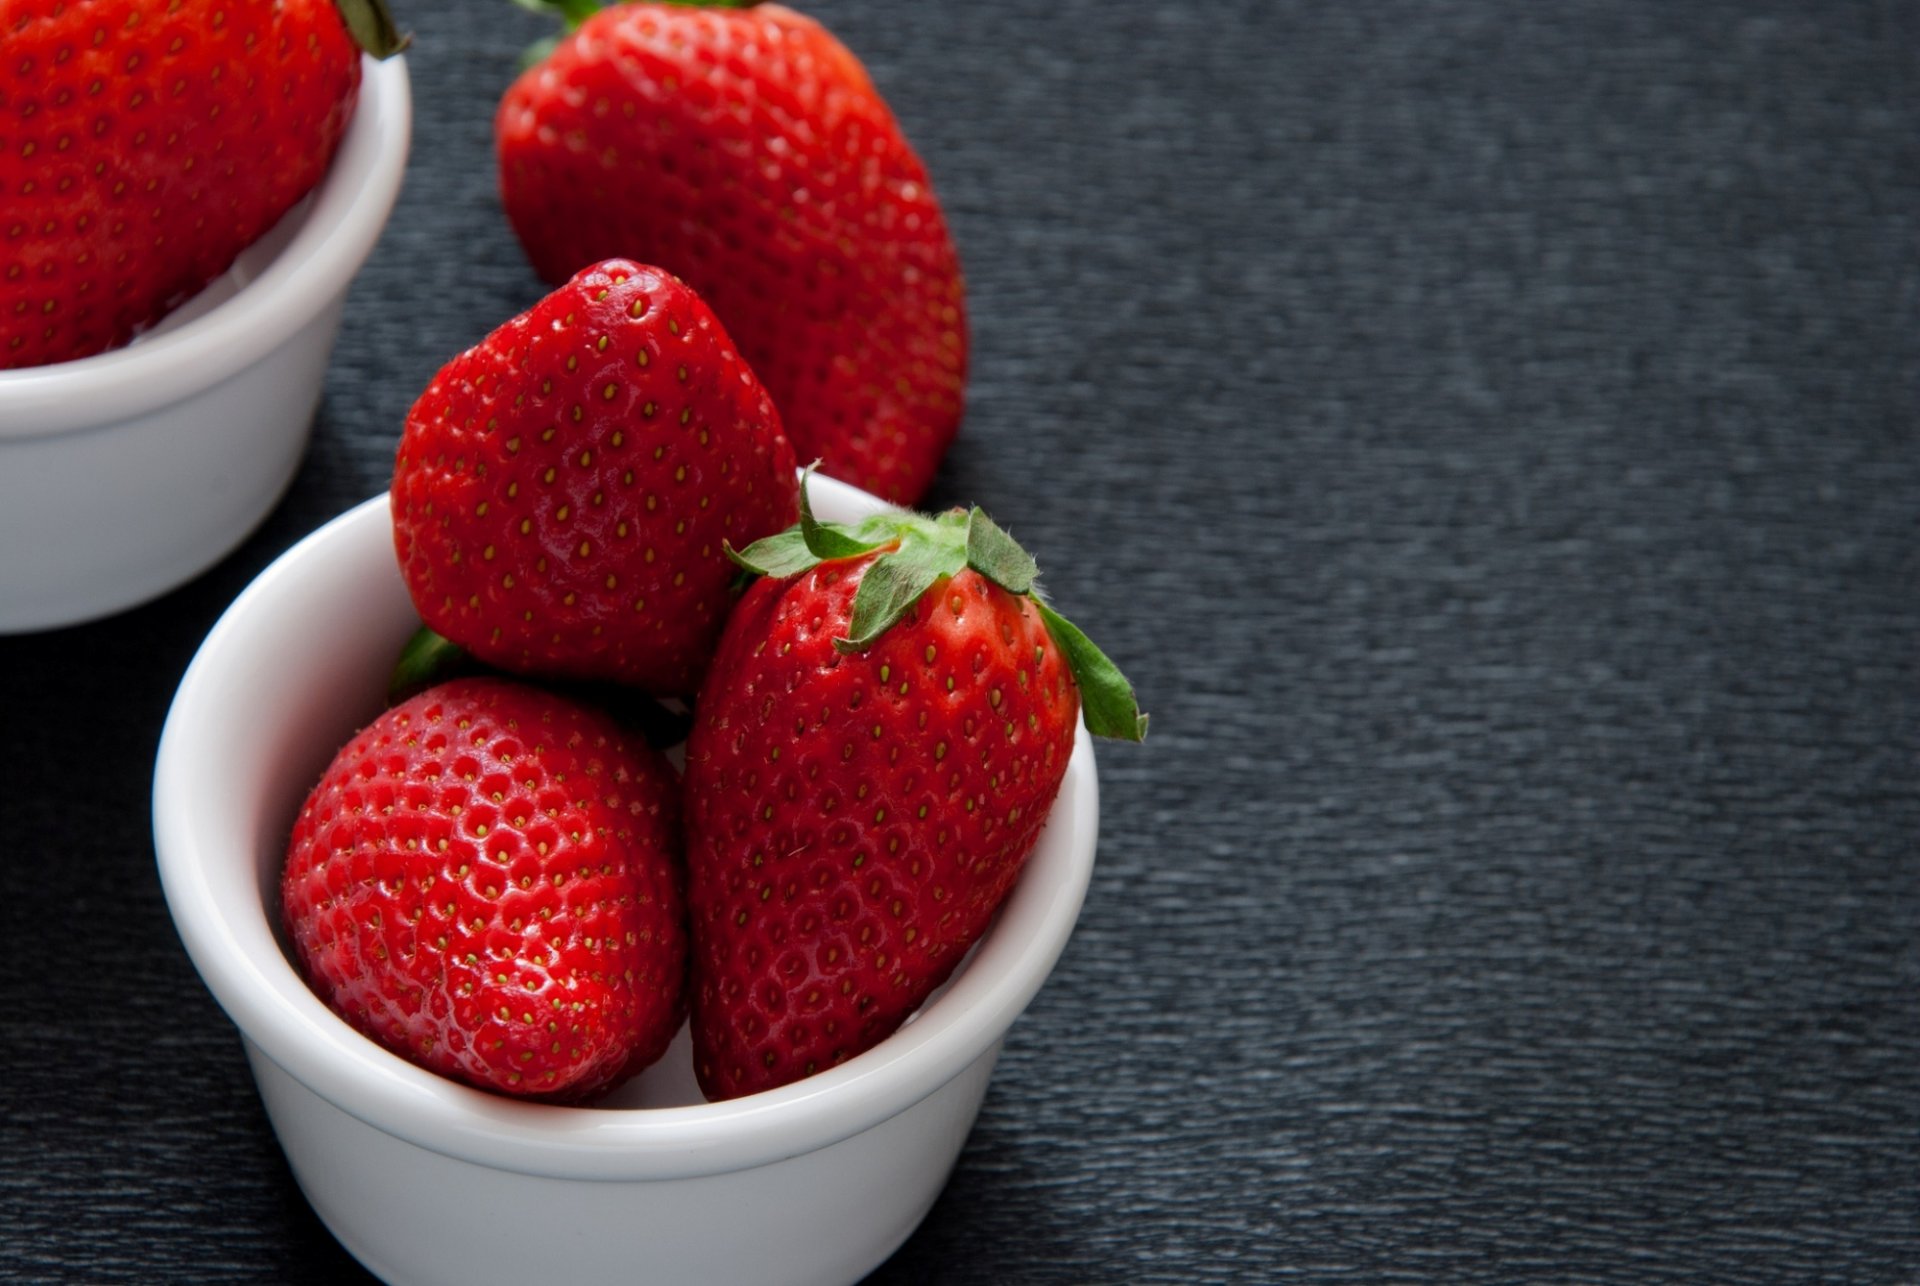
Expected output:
{"points": [[293, 668], [408, 1213], [125, 474]]}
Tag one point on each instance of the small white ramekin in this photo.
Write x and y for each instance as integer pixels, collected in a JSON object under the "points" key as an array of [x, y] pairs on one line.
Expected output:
{"points": [[128, 473], [428, 1181]]}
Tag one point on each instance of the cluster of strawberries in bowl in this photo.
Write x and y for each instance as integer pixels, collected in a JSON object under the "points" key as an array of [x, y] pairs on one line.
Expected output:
{"points": [[595, 508], [501, 881]]}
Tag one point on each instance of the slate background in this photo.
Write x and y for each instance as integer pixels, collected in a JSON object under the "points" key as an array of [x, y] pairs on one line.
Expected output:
{"points": [[1486, 433]]}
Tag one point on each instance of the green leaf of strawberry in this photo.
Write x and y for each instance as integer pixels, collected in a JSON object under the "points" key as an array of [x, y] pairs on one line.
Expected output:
{"points": [[372, 27], [895, 583], [993, 553], [782, 554], [428, 658], [1107, 701], [830, 540], [921, 550]]}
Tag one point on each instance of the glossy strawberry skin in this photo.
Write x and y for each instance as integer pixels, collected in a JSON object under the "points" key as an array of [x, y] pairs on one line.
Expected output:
{"points": [[854, 821], [747, 151], [143, 145], [564, 491], [487, 880]]}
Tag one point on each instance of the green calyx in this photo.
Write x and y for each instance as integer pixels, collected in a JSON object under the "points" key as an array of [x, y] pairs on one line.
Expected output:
{"points": [[427, 659], [371, 27], [920, 550]]}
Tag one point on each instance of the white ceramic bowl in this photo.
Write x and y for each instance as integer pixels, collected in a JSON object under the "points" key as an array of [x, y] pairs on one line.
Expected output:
{"points": [[126, 474], [425, 1180]]}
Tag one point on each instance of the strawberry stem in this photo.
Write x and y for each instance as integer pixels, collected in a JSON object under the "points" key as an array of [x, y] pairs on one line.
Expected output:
{"points": [[371, 25]]}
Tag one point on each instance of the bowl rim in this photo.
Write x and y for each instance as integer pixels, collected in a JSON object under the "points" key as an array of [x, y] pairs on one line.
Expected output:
{"points": [[347, 211], [288, 1024]]}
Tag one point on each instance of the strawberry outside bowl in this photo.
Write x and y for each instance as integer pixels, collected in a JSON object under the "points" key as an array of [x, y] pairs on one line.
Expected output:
{"points": [[126, 474], [425, 1180]]}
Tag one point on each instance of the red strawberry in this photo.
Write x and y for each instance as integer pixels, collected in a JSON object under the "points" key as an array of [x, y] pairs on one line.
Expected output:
{"points": [[487, 882], [145, 143], [748, 151], [876, 748], [565, 489]]}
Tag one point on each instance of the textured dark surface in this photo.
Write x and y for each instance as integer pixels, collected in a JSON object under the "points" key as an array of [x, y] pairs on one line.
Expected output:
{"points": [[1486, 433]]}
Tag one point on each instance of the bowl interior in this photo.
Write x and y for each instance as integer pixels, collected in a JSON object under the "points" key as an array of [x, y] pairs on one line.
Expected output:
{"points": [[294, 668]]}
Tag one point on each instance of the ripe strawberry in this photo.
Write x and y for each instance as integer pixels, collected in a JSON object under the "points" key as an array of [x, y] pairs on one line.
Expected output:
{"points": [[565, 490], [145, 143], [487, 881], [875, 750], [748, 151]]}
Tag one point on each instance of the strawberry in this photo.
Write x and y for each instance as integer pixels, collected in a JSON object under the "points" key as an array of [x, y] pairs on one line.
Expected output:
{"points": [[874, 753], [748, 151], [487, 881], [145, 143], [564, 491]]}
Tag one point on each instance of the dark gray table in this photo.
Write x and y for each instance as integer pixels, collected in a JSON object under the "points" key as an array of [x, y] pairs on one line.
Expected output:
{"points": [[1486, 432]]}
